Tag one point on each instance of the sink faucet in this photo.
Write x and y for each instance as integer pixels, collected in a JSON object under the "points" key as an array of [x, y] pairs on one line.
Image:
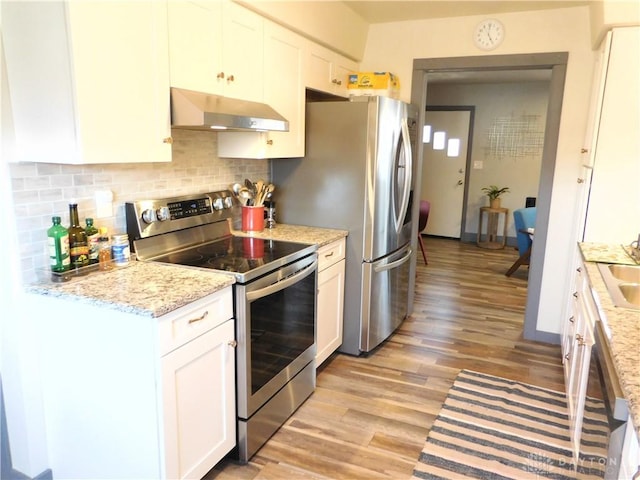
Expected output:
{"points": [[635, 249]]}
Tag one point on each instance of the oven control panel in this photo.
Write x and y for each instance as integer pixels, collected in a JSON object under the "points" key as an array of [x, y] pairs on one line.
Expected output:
{"points": [[189, 208], [146, 218]]}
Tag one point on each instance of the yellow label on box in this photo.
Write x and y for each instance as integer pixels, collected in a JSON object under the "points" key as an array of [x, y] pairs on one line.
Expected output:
{"points": [[374, 81]]}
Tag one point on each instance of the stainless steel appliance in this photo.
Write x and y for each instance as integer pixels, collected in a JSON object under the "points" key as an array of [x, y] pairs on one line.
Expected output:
{"points": [[358, 175], [274, 301]]}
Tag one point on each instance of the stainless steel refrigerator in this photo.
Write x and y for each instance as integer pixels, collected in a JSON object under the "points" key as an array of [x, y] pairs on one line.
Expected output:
{"points": [[358, 175]]}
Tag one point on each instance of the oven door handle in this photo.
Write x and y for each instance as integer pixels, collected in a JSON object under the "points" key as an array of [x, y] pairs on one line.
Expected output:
{"points": [[284, 283]]}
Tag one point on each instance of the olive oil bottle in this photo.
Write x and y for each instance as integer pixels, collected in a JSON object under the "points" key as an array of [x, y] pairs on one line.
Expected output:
{"points": [[78, 245], [93, 236]]}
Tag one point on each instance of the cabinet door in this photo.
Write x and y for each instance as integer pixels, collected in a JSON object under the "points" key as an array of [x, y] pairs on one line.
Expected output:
{"points": [[88, 81], [195, 46], [198, 383], [242, 55], [284, 88], [330, 310], [327, 71], [580, 378], [617, 148]]}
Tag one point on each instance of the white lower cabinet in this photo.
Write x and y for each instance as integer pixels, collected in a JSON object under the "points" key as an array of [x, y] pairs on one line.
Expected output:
{"points": [[578, 339], [630, 461], [198, 389], [130, 396], [331, 275]]}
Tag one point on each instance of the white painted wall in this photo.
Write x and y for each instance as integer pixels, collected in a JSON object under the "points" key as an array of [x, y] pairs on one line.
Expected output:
{"points": [[330, 23], [393, 46], [520, 174], [606, 14]]}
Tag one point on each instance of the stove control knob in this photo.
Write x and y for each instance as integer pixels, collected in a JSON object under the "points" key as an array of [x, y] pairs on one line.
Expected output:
{"points": [[217, 204], [228, 202], [163, 214], [148, 216]]}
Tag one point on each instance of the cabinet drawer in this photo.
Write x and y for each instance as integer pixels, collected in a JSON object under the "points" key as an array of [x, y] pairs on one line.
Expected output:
{"points": [[181, 326], [331, 253]]}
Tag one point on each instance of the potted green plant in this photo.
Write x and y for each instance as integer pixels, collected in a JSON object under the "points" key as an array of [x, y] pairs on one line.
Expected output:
{"points": [[494, 192]]}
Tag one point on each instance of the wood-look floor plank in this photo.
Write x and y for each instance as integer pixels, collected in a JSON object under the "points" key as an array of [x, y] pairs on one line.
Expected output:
{"points": [[370, 415]]}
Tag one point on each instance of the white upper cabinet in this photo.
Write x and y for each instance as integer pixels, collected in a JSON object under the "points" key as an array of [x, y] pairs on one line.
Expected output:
{"points": [[615, 147], [88, 81], [216, 47], [195, 49], [328, 71], [243, 53], [284, 91]]}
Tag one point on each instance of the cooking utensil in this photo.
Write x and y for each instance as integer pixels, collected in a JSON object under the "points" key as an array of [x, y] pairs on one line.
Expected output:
{"points": [[245, 196], [249, 184]]}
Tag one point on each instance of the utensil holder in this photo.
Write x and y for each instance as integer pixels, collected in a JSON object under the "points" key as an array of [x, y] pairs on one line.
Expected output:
{"points": [[252, 219]]}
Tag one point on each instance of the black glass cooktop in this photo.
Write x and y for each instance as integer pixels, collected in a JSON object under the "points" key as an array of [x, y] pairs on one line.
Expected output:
{"points": [[238, 255]]}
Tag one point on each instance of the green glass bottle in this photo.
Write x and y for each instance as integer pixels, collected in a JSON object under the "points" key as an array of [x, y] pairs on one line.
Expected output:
{"points": [[58, 239], [78, 246], [93, 236]]}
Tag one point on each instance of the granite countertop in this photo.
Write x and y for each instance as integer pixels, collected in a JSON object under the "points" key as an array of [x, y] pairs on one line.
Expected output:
{"points": [[298, 233], [142, 288], [623, 323], [155, 289]]}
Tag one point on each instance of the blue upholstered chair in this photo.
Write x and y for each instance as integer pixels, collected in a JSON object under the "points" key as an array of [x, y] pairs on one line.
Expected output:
{"points": [[523, 218]]}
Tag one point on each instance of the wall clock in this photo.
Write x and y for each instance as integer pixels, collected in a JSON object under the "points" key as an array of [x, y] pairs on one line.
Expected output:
{"points": [[488, 34]]}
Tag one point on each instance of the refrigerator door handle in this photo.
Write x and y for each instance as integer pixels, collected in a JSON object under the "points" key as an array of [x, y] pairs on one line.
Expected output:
{"points": [[394, 264], [408, 166]]}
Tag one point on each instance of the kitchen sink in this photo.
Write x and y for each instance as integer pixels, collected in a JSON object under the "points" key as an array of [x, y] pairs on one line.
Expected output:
{"points": [[626, 273], [623, 284], [631, 292]]}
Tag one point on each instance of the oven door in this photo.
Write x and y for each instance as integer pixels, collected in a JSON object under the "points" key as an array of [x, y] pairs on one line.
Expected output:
{"points": [[275, 329]]}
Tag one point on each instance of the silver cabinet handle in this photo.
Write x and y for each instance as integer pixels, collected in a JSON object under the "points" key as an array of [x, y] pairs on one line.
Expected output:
{"points": [[201, 317]]}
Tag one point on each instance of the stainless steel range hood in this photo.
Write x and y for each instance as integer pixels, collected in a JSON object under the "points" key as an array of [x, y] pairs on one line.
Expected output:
{"points": [[202, 111]]}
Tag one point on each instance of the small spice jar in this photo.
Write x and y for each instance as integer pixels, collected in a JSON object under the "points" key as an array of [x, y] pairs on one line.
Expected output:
{"points": [[120, 251]]}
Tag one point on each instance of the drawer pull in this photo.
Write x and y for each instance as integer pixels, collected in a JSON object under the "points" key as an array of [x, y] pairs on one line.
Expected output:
{"points": [[328, 255], [232, 343], [201, 317], [575, 294], [567, 356], [579, 338], [571, 319]]}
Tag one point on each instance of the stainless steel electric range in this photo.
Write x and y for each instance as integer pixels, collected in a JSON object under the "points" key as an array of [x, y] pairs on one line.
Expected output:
{"points": [[274, 300]]}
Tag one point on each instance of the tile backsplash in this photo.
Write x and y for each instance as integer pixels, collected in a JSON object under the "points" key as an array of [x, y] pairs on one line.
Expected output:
{"points": [[41, 190]]}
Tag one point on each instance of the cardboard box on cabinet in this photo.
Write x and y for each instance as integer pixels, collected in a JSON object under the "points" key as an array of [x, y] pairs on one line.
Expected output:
{"points": [[374, 83]]}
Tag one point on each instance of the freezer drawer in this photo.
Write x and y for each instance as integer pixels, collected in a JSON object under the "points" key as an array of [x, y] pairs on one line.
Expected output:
{"points": [[385, 297]]}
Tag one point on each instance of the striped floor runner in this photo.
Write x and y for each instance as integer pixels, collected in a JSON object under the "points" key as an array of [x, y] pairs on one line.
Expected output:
{"points": [[493, 428]]}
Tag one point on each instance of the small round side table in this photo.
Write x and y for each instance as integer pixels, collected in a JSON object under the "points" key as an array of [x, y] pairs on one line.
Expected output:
{"points": [[493, 220]]}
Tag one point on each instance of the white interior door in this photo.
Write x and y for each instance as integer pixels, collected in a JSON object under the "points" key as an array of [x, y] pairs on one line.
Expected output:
{"points": [[443, 170]]}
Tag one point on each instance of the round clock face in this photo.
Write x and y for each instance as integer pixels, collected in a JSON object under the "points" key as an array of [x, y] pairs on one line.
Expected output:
{"points": [[488, 34]]}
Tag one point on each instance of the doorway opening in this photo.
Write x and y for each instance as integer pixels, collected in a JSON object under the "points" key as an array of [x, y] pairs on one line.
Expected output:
{"points": [[555, 65], [447, 143]]}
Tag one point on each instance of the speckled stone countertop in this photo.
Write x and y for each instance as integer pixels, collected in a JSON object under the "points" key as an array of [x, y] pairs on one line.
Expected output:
{"points": [[142, 288], [623, 323], [154, 289], [298, 233]]}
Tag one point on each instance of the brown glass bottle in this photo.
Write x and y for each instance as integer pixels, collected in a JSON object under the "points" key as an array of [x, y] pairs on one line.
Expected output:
{"points": [[78, 245]]}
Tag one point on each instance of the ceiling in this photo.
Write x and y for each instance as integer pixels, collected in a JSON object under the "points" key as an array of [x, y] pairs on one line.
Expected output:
{"points": [[398, 10]]}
